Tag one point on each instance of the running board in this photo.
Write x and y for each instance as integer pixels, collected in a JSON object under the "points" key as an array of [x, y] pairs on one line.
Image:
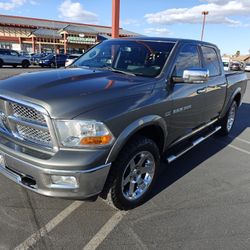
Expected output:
{"points": [[172, 158]]}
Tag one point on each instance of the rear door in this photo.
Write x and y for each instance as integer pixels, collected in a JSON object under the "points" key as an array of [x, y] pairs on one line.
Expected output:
{"points": [[14, 57], [188, 98], [216, 84]]}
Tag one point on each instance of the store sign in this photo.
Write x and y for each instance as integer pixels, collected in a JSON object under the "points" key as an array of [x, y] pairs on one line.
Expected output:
{"points": [[82, 40]]}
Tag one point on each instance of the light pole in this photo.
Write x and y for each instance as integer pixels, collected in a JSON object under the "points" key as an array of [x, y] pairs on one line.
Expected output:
{"points": [[115, 18], [204, 13]]}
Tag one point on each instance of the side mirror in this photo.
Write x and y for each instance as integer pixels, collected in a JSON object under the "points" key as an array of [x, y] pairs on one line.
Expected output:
{"points": [[195, 75]]}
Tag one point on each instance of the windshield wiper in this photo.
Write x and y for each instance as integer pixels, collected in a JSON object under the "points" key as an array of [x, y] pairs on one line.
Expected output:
{"points": [[120, 71]]}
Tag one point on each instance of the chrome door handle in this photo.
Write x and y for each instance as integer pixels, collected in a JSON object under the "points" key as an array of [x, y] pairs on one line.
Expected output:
{"points": [[200, 91]]}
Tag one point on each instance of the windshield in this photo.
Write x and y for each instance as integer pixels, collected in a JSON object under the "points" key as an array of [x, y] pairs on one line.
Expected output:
{"points": [[143, 58], [48, 56], [226, 64]]}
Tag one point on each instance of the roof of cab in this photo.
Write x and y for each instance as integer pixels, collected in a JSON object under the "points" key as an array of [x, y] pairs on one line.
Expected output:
{"points": [[166, 39]]}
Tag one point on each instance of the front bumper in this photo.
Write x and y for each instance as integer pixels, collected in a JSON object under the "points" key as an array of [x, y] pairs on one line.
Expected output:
{"points": [[88, 168]]}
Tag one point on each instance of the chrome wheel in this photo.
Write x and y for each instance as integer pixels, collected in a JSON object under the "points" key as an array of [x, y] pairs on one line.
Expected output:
{"points": [[138, 175], [231, 117]]}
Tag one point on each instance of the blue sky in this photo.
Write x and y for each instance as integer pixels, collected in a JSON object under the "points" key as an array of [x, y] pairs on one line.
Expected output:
{"points": [[228, 22]]}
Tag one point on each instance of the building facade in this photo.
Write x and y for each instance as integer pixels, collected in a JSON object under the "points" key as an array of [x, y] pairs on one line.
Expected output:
{"points": [[41, 35]]}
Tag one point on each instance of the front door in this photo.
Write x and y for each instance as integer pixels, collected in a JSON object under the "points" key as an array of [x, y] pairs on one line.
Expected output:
{"points": [[188, 98]]}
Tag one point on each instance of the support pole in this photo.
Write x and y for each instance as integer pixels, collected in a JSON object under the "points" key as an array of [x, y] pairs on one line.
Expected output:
{"points": [[65, 43], [204, 13], [33, 44], [115, 18]]}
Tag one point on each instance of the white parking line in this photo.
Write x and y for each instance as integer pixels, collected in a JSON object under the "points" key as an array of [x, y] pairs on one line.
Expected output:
{"points": [[239, 139], [232, 146], [239, 149], [105, 231], [35, 237]]}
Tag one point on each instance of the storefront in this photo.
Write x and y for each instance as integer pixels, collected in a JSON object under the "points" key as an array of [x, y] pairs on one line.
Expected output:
{"points": [[40, 35]]}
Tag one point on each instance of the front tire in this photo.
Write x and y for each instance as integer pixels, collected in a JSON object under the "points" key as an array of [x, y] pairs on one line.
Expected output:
{"points": [[228, 120], [133, 174]]}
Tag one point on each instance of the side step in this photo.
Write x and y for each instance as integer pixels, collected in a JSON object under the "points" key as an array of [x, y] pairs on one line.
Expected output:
{"points": [[173, 157]]}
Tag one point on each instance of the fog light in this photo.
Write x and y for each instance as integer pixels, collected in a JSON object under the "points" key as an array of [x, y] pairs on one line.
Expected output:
{"points": [[64, 181]]}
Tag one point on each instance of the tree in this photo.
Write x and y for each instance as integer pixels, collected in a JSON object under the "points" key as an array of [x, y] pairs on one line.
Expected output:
{"points": [[237, 53]]}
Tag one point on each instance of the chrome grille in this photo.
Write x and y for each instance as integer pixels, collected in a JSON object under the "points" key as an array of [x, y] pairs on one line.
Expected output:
{"points": [[34, 135], [28, 114], [26, 122]]}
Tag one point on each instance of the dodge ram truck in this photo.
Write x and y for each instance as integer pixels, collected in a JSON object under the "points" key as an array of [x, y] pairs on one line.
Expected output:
{"points": [[101, 126]]}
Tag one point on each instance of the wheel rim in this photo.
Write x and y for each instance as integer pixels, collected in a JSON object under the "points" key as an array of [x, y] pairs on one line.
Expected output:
{"points": [[138, 175], [231, 117]]}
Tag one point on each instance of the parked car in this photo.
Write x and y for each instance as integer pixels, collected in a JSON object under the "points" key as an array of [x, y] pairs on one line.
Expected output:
{"points": [[12, 57], [71, 58], [247, 67], [37, 57], [101, 127], [25, 53], [237, 66], [53, 61], [226, 63]]}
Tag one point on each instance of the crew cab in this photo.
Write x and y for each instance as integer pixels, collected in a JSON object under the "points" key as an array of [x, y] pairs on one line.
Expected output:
{"points": [[101, 126]]}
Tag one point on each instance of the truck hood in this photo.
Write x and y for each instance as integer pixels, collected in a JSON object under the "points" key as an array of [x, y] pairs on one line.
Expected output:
{"points": [[67, 93]]}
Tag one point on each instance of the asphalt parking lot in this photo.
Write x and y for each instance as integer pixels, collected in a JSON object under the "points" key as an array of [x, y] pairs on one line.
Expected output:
{"points": [[202, 201]]}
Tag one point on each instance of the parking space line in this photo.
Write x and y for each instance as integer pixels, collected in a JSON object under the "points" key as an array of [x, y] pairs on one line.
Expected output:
{"points": [[239, 139], [35, 237], [106, 229], [239, 149], [232, 146]]}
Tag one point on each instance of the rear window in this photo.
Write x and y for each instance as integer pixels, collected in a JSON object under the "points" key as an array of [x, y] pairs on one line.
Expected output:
{"points": [[4, 52], [211, 60]]}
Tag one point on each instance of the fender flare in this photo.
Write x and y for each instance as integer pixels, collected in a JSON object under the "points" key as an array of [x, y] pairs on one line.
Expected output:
{"points": [[227, 106], [131, 129]]}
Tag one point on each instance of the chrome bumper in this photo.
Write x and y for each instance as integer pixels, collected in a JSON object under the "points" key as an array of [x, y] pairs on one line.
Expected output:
{"points": [[90, 182]]}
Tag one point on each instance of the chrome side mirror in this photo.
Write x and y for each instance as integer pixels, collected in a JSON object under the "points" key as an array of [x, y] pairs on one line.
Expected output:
{"points": [[195, 75]]}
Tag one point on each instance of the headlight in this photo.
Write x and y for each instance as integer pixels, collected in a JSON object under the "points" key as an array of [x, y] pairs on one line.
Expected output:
{"points": [[75, 133]]}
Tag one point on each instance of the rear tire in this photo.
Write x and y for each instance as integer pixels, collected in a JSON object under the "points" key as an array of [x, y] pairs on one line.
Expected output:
{"points": [[133, 174], [52, 65], [228, 120], [1, 63], [25, 64]]}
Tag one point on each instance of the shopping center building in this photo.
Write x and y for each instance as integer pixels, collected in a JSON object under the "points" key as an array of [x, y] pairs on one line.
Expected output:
{"points": [[41, 35]]}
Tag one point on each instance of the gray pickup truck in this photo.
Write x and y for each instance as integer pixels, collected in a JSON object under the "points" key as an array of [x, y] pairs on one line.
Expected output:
{"points": [[101, 126]]}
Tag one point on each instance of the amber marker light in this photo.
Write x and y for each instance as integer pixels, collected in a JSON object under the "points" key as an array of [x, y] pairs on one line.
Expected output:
{"points": [[96, 140]]}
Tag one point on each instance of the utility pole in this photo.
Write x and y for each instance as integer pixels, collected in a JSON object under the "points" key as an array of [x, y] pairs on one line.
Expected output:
{"points": [[115, 18], [204, 13]]}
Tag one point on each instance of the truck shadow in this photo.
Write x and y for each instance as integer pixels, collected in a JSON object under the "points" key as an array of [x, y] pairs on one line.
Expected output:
{"points": [[170, 173]]}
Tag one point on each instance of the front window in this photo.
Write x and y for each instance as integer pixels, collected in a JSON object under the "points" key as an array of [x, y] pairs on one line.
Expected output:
{"points": [[143, 58], [48, 57], [188, 58], [13, 53]]}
